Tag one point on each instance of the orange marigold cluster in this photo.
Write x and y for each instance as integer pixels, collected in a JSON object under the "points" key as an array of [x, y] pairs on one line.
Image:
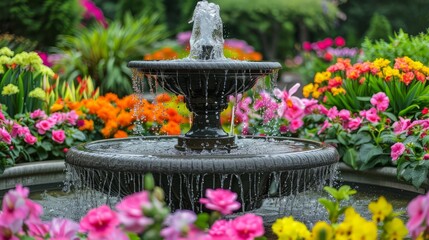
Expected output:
{"points": [[117, 115], [166, 53]]}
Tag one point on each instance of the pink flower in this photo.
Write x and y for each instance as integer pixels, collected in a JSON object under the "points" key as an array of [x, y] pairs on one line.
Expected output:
{"points": [[295, 124], [18, 130], [247, 227], [221, 200], [72, 117], [380, 101], [63, 229], [5, 136], [306, 46], [58, 136], [14, 208], [30, 139], [91, 10], [178, 224], [332, 113], [130, 212], [326, 125], [397, 150], [44, 126], [372, 115], [221, 229], [291, 107], [344, 114], [37, 229], [339, 41], [99, 222], [57, 118], [354, 123], [2, 117], [268, 104], [418, 212], [35, 210], [7, 231], [401, 125], [38, 114]]}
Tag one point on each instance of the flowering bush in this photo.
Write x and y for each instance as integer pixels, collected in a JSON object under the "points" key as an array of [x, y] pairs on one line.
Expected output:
{"points": [[111, 116], [36, 136], [348, 86], [317, 56]]}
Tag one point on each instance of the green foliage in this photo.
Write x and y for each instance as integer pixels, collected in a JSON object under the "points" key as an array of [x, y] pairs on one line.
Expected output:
{"points": [[279, 18], [103, 54], [401, 44], [379, 28], [39, 20], [335, 208]]}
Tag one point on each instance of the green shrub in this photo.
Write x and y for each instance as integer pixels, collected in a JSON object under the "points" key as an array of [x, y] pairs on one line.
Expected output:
{"points": [[17, 44], [400, 45], [39, 20], [379, 28], [103, 53]]}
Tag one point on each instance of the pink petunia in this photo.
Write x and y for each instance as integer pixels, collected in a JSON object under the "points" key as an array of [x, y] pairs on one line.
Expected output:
{"points": [[354, 123], [221, 200], [295, 124], [43, 126], [221, 229], [63, 229], [397, 150], [38, 113], [30, 139], [37, 229], [326, 125], [58, 136], [380, 101], [372, 115], [99, 222], [247, 227], [5, 136], [417, 210], [401, 125], [130, 212]]}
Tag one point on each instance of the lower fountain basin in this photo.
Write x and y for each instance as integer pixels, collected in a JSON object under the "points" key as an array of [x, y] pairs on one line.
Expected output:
{"points": [[260, 167]]}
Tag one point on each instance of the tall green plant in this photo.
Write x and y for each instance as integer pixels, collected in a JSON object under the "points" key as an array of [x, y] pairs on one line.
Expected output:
{"points": [[21, 81], [103, 53]]}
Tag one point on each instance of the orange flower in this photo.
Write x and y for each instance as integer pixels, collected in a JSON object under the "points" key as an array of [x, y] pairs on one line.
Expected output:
{"points": [[171, 128], [162, 98], [56, 107], [92, 106], [106, 132], [120, 134], [111, 97], [124, 118], [87, 125]]}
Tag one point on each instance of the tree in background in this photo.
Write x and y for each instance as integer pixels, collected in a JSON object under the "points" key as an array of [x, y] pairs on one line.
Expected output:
{"points": [[39, 20], [379, 28]]}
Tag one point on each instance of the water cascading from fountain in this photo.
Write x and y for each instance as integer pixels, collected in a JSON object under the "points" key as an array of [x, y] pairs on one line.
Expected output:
{"points": [[206, 156]]}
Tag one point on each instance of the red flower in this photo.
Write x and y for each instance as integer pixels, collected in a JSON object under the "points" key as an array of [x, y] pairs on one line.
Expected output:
{"points": [[425, 111], [339, 41]]}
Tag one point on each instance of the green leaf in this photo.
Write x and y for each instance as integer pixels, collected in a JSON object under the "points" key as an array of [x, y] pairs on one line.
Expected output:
{"points": [[47, 146], [202, 221], [419, 175], [367, 152], [133, 236], [328, 204], [390, 115], [79, 135], [409, 108], [361, 138], [342, 138], [363, 99], [350, 158]]}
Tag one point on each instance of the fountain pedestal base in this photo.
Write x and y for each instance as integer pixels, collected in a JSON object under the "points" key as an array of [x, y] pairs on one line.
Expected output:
{"points": [[200, 144]]}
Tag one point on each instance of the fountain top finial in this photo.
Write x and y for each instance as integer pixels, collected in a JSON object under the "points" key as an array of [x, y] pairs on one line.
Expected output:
{"points": [[207, 33]]}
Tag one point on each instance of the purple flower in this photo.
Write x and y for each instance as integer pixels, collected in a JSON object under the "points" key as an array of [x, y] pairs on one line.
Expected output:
{"points": [[183, 38], [178, 224]]}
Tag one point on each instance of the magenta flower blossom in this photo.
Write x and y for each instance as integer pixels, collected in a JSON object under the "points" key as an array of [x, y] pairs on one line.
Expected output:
{"points": [[295, 124], [30, 139], [372, 115], [268, 105], [332, 113], [8, 231], [380, 101], [43, 126], [221, 229], [291, 107], [401, 125], [99, 222], [63, 229], [130, 212], [72, 117], [397, 150], [354, 123], [58, 136], [38, 113], [37, 229], [178, 224], [306, 46], [339, 41], [417, 210], [344, 114], [5, 136], [221, 200], [92, 11], [326, 125], [183, 38], [18, 130], [2, 117], [247, 227]]}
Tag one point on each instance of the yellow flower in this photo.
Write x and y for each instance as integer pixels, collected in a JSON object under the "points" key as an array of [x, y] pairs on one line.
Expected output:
{"points": [[5, 60], [365, 230], [395, 229], [338, 90], [37, 93], [288, 228], [307, 89], [321, 76], [25, 59], [380, 63], [322, 231], [316, 94], [380, 209], [390, 72], [44, 70], [355, 227], [10, 89], [56, 107], [6, 52], [416, 65]]}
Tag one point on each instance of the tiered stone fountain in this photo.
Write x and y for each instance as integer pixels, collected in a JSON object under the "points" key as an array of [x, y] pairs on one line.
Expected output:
{"points": [[206, 156]]}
